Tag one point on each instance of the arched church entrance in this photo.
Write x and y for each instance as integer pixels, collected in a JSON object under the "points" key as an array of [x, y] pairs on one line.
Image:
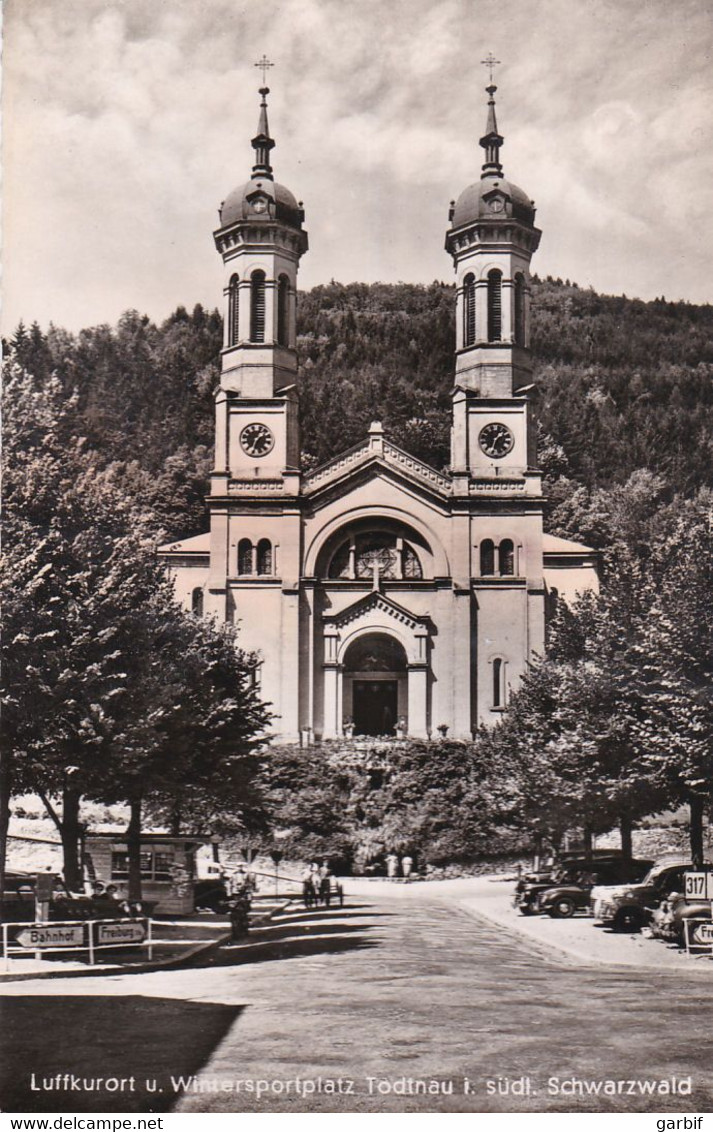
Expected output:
{"points": [[376, 684]]}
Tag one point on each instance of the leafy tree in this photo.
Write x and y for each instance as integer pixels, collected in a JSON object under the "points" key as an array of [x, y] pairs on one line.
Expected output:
{"points": [[107, 683], [675, 668]]}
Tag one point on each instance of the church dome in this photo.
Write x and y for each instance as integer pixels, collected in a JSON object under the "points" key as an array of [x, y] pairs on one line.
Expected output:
{"points": [[493, 197], [281, 204], [261, 198]]}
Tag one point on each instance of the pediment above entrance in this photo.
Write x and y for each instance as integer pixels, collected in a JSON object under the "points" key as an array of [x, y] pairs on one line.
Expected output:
{"points": [[375, 602], [375, 613]]}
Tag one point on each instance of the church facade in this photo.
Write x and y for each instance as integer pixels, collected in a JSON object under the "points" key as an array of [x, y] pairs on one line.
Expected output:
{"points": [[379, 595]]}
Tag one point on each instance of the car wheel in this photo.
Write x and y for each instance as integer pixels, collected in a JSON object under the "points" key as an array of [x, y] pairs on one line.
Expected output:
{"points": [[563, 908], [627, 920]]}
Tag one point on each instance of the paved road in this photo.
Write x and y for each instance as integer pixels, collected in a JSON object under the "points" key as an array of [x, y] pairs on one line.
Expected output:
{"points": [[365, 1003]]}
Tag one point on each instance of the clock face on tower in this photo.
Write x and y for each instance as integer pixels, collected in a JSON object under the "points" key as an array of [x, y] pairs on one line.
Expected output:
{"points": [[497, 204], [257, 440], [259, 205], [496, 440]]}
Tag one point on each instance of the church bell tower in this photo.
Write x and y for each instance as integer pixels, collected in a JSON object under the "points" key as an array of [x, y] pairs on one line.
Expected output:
{"points": [[491, 239], [261, 241]]}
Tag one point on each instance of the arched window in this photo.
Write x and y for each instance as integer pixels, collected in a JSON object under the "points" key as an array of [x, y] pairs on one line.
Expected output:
{"points": [[498, 683], [495, 314], [257, 306], [519, 311], [245, 556], [264, 556], [487, 557], [283, 311], [233, 331], [363, 555], [469, 310], [197, 601], [506, 557]]}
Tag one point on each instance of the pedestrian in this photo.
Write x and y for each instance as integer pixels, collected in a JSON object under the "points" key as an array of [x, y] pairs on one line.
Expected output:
{"points": [[406, 866], [309, 896], [392, 866], [325, 884], [240, 912]]}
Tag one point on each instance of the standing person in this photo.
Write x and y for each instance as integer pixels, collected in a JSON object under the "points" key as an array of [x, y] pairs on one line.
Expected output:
{"points": [[324, 874], [308, 891], [392, 866], [406, 866], [325, 884]]}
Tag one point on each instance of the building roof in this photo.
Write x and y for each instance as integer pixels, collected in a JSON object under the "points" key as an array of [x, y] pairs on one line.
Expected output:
{"points": [[198, 544], [552, 544]]}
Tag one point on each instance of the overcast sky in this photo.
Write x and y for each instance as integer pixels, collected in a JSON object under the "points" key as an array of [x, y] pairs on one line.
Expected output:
{"points": [[128, 121]]}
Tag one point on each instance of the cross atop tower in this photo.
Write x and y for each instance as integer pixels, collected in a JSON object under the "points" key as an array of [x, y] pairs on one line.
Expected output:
{"points": [[489, 61], [264, 64]]}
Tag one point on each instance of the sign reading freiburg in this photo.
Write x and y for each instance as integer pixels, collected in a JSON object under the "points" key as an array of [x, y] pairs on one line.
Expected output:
{"points": [[120, 933], [703, 934]]}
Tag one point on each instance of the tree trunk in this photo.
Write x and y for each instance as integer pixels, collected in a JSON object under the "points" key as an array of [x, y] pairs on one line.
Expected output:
{"points": [[175, 822], [538, 853], [696, 806], [5, 789], [626, 831], [70, 832], [133, 845], [588, 841]]}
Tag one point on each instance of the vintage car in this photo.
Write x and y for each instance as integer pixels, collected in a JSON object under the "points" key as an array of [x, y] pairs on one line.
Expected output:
{"points": [[628, 908], [563, 900], [566, 887]]}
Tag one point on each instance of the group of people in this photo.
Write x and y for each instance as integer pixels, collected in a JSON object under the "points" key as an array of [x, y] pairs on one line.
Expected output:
{"points": [[317, 885], [392, 867]]}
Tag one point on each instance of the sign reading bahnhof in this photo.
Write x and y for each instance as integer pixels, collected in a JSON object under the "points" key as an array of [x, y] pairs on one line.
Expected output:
{"points": [[47, 936]]}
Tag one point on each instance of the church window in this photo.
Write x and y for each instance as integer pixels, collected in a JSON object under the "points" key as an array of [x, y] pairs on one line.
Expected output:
{"points": [[233, 331], [506, 557], [469, 310], [487, 557], [377, 552], [264, 556], [495, 315], [411, 563], [257, 306], [254, 673], [197, 601], [363, 556], [245, 556], [283, 311], [498, 683], [519, 310]]}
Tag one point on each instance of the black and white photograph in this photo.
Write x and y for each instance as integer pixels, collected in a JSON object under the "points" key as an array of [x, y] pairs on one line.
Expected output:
{"points": [[357, 573]]}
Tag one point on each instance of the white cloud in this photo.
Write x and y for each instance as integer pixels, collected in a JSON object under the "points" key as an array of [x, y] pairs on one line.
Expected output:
{"points": [[128, 122]]}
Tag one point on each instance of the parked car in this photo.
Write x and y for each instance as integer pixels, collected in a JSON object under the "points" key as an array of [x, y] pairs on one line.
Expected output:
{"points": [[629, 908], [566, 888], [19, 892], [211, 894], [563, 900]]}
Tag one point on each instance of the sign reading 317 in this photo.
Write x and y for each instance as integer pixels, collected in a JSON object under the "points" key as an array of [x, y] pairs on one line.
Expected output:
{"points": [[699, 886]]}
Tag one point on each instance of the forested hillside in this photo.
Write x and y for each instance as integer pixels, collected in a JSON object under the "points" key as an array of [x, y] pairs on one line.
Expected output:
{"points": [[620, 385]]}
